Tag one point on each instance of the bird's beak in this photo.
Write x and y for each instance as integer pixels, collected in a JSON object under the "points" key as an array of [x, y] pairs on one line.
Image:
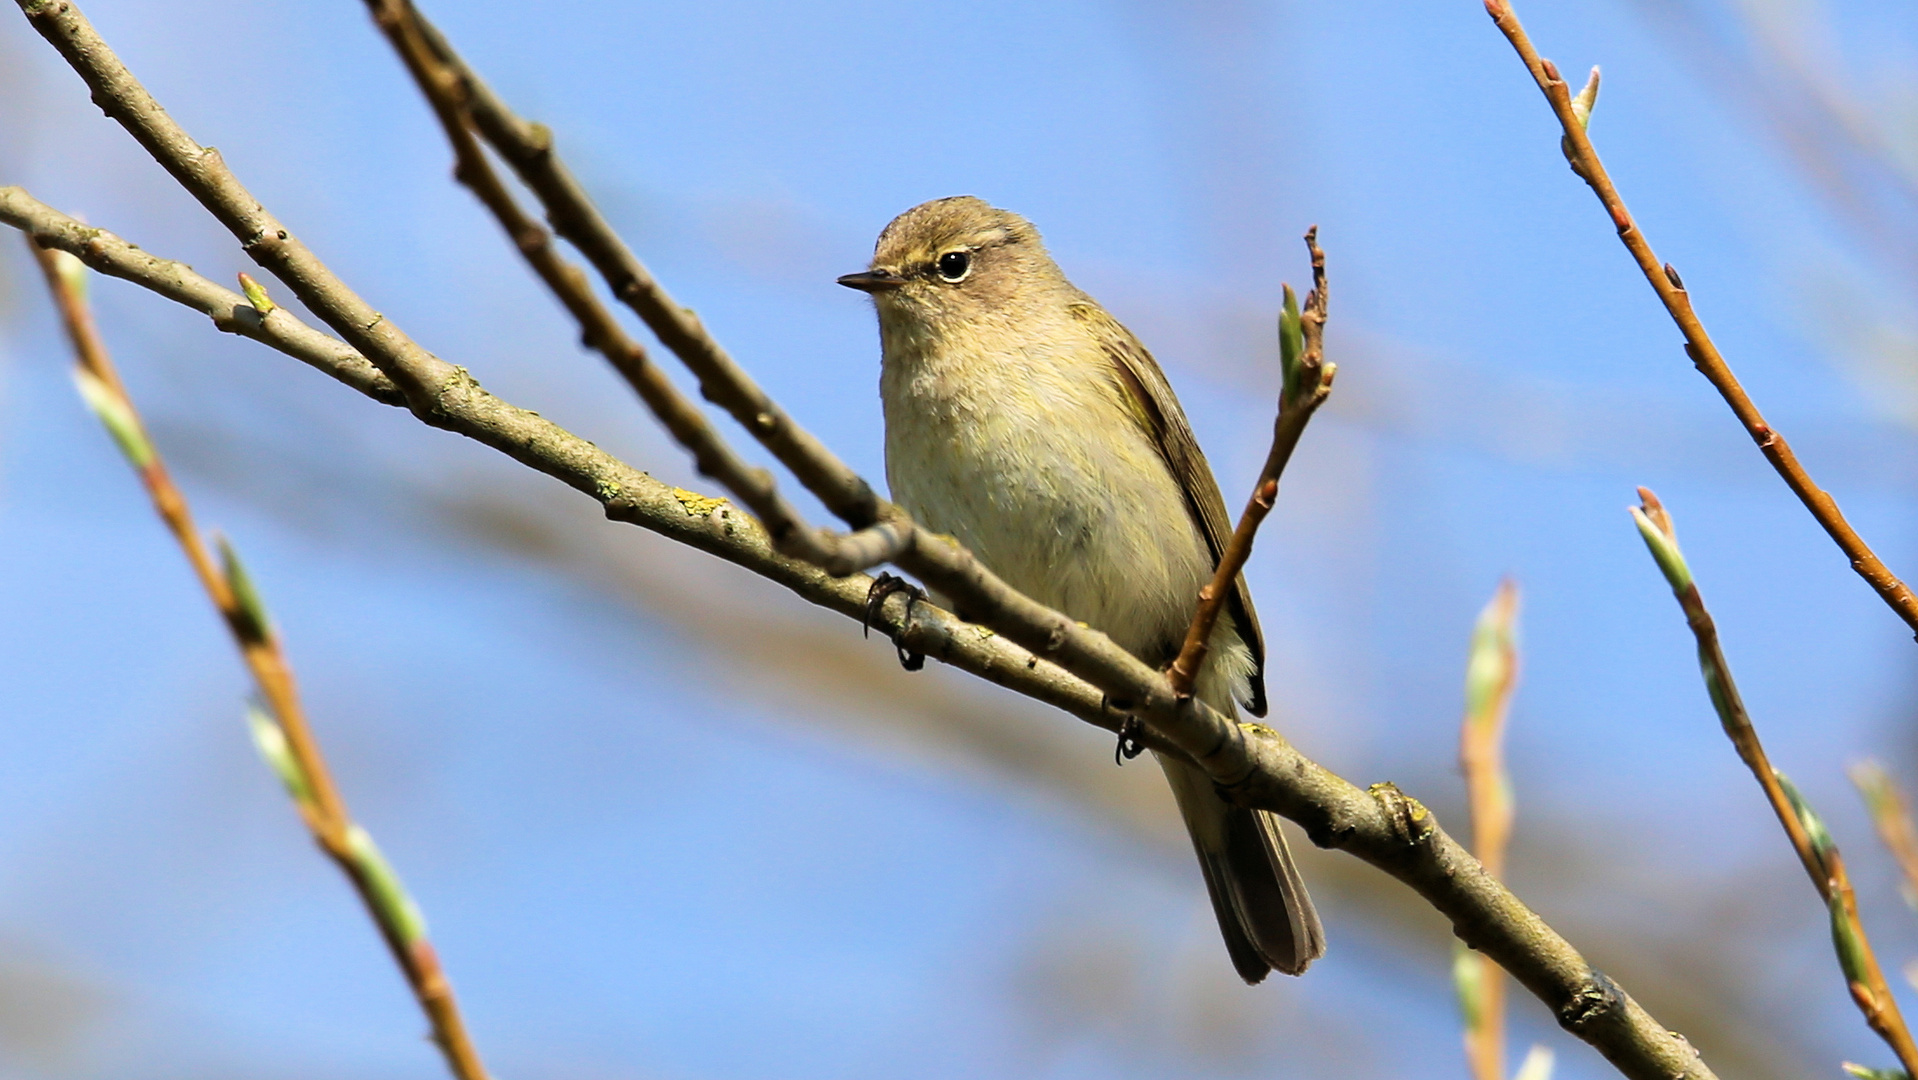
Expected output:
{"points": [[873, 281]]}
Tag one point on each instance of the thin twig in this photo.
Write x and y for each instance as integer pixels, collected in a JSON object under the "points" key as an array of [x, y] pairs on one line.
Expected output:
{"points": [[1253, 765], [755, 487], [528, 148], [1490, 675], [1891, 814], [1809, 838], [1306, 384], [1574, 114], [284, 737]]}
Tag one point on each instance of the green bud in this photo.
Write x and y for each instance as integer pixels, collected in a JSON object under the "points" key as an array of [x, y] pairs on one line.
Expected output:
{"points": [[256, 295], [117, 415], [73, 273], [1586, 99], [395, 909], [1822, 844], [1866, 1072], [1488, 671], [270, 741], [1845, 942], [1537, 1064], [1291, 341], [252, 623], [1665, 551], [1468, 975]]}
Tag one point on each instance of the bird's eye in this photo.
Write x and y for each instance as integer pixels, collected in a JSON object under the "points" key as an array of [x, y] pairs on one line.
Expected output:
{"points": [[955, 265]]}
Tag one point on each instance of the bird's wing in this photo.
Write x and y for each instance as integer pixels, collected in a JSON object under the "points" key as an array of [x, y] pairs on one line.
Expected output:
{"points": [[1158, 411]]}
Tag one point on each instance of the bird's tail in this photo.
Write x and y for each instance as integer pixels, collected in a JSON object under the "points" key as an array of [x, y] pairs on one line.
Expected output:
{"points": [[1260, 900]]}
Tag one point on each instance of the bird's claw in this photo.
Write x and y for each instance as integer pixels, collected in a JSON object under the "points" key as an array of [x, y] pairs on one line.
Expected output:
{"points": [[1131, 741], [883, 587]]}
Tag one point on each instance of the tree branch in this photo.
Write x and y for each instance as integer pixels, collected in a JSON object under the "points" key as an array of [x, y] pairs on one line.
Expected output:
{"points": [[528, 148], [1307, 383], [1250, 762], [1822, 862], [754, 487], [284, 737], [1573, 116]]}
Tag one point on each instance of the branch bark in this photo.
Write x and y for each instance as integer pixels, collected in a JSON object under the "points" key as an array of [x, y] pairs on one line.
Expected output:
{"points": [[1671, 291], [444, 90], [1253, 764], [528, 148]]}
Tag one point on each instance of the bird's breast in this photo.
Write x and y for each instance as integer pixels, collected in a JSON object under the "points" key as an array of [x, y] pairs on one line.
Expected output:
{"points": [[1033, 461]]}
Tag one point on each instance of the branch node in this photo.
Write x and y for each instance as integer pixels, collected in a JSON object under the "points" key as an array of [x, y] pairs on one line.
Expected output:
{"points": [[1411, 821], [1592, 1003]]}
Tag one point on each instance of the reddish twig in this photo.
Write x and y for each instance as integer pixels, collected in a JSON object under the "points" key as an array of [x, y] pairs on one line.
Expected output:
{"points": [[1573, 116], [1809, 838], [1306, 384], [285, 738]]}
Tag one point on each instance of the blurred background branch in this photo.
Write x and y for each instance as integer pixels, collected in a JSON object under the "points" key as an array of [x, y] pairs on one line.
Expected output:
{"points": [[279, 727]]}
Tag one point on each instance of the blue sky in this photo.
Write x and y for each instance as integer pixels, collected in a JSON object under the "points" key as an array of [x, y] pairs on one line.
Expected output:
{"points": [[653, 845]]}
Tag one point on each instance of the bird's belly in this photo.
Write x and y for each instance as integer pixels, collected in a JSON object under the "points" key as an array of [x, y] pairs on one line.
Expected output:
{"points": [[1095, 527]]}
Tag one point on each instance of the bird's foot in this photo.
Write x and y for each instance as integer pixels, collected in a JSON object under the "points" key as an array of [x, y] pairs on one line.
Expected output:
{"points": [[1131, 741], [883, 587]]}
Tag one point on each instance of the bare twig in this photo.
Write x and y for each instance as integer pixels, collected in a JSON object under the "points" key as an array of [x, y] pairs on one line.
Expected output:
{"points": [[1574, 114], [1307, 382], [283, 736], [528, 148], [1490, 675], [1252, 764], [1807, 832], [1891, 814], [446, 93]]}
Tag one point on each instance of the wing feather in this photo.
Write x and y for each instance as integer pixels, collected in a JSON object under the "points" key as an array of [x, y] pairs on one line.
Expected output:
{"points": [[1165, 421]]}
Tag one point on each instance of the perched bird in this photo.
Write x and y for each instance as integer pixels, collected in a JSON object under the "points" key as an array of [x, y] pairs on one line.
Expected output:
{"points": [[1026, 422]]}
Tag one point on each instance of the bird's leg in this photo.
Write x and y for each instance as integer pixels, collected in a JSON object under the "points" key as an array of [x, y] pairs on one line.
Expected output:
{"points": [[883, 587], [1131, 743]]}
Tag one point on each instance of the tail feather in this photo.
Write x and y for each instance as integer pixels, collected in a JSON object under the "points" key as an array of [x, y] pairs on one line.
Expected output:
{"points": [[1264, 912]]}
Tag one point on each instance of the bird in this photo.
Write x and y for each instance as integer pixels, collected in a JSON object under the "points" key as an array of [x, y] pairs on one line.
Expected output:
{"points": [[1027, 423]]}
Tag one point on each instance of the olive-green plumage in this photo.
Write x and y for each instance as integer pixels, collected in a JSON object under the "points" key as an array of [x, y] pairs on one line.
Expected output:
{"points": [[1025, 421]]}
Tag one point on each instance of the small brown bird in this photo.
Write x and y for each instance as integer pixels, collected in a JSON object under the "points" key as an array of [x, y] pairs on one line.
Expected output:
{"points": [[1023, 420]]}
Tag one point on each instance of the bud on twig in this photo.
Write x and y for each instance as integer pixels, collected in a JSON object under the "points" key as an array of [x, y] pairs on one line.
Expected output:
{"points": [[1291, 344], [117, 415], [256, 295], [391, 902], [1588, 97], [270, 741], [250, 620]]}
